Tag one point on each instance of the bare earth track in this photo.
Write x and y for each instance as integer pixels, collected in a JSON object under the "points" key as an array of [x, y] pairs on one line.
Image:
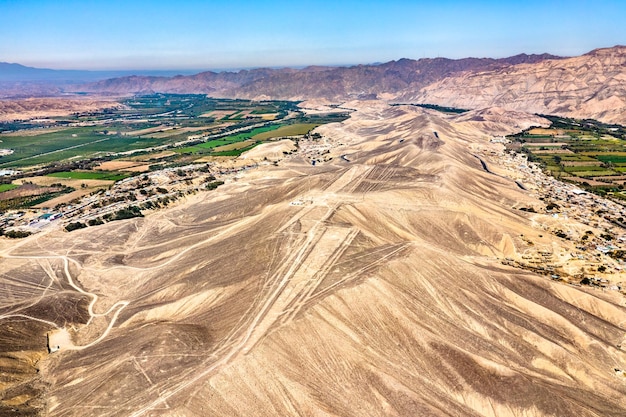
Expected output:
{"points": [[371, 285]]}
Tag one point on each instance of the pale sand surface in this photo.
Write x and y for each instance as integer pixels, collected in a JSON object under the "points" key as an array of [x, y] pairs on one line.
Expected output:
{"points": [[272, 151], [117, 165], [20, 109], [372, 287]]}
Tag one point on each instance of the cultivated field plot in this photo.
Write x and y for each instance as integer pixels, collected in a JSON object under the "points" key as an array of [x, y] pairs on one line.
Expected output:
{"points": [[90, 175], [143, 123], [586, 152], [118, 165], [7, 187], [235, 145], [67, 144]]}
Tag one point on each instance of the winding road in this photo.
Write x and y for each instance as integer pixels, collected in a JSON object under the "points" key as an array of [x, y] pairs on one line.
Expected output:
{"points": [[118, 306]]}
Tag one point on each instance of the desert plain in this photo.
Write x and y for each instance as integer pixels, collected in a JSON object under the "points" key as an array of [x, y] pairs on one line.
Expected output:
{"points": [[381, 281]]}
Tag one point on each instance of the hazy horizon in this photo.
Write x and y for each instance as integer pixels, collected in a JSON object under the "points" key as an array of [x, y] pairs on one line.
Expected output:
{"points": [[221, 36]]}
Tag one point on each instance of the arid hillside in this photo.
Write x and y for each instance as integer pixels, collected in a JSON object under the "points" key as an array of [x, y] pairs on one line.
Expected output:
{"points": [[589, 86], [369, 285], [29, 108]]}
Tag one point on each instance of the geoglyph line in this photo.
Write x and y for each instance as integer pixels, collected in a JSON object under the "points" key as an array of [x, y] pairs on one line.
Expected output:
{"points": [[266, 316]]}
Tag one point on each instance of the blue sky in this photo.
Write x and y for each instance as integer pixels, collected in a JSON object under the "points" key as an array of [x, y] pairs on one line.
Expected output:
{"points": [[220, 34]]}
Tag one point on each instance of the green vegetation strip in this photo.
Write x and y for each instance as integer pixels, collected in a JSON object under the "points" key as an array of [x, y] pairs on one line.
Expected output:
{"points": [[615, 159], [7, 187], [247, 135], [603, 173], [289, 130], [207, 147], [83, 175], [578, 168], [234, 152]]}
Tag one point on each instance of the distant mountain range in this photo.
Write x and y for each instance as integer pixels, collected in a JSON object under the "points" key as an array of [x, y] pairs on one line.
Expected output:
{"points": [[19, 81], [335, 83], [20, 73], [592, 85]]}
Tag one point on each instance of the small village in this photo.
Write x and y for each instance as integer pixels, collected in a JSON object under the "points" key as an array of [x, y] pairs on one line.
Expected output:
{"points": [[151, 190], [591, 228], [146, 192]]}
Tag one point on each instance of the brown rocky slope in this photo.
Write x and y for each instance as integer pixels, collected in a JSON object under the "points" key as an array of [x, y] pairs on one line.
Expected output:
{"points": [[589, 86]]}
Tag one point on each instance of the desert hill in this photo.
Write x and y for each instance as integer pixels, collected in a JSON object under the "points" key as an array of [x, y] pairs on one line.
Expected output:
{"points": [[28, 108], [370, 285], [592, 85]]}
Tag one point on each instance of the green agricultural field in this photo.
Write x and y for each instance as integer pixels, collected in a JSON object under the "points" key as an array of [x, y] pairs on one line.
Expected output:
{"points": [[207, 147], [615, 159], [538, 139], [575, 157], [596, 154], [600, 145], [90, 175], [589, 173], [584, 168], [67, 144], [214, 143], [247, 135], [234, 152], [289, 130], [29, 146], [236, 145], [7, 187], [548, 159]]}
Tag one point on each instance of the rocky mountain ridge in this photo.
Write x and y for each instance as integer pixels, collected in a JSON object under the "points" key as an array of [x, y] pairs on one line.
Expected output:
{"points": [[592, 85], [336, 83]]}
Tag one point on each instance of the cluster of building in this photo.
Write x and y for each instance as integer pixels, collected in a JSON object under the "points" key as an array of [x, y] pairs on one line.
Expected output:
{"points": [[316, 148], [146, 191], [592, 229]]}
